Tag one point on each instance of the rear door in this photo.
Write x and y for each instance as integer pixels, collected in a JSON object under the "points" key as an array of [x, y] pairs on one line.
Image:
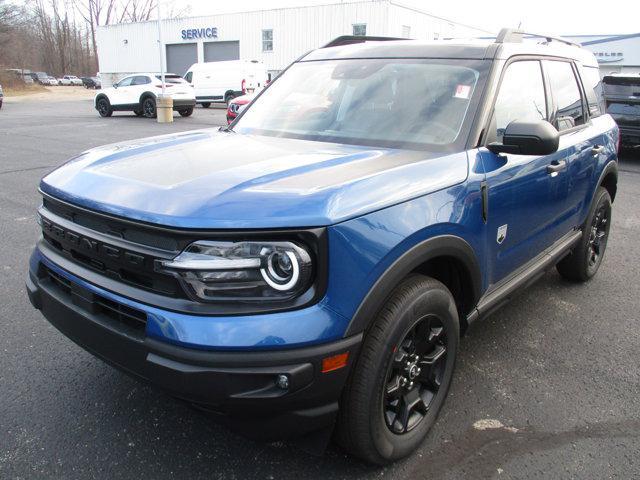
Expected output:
{"points": [[527, 195], [581, 142]]}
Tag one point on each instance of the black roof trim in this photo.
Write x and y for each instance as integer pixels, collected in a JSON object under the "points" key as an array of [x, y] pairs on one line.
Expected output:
{"points": [[351, 39]]}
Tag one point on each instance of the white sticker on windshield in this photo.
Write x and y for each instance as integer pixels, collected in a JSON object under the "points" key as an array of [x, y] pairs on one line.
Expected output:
{"points": [[462, 91]]}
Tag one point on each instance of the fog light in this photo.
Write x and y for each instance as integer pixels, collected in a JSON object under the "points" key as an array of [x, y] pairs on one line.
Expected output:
{"points": [[282, 382]]}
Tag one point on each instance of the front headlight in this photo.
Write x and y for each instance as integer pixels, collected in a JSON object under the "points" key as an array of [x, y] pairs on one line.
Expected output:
{"points": [[248, 271]]}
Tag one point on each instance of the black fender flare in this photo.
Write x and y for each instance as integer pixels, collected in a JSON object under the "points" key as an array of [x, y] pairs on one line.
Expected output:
{"points": [[439, 246], [145, 95], [100, 96], [610, 167]]}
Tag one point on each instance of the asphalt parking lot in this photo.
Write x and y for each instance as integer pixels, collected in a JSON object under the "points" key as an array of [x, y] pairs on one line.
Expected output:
{"points": [[546, 388]]}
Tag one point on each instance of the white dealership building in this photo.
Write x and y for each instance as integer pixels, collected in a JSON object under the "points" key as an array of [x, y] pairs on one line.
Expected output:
{"points": [[615, 53], [276, 37]]}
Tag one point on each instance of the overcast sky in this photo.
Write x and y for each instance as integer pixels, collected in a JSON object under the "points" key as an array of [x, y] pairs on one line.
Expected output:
{"points": [[553, 17]]}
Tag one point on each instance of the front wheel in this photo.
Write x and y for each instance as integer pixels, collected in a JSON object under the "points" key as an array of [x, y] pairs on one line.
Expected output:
{"points": [[186, 112], [104, 107], [586, 258], [149, 107], [206, 104], [403, 373]]}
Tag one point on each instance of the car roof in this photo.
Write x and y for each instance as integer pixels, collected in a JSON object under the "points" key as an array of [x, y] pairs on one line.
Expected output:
{"points": [[471, 49]]}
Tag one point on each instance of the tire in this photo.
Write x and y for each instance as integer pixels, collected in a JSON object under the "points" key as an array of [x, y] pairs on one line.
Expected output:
{"points": [[186, 112], [149, 107], [585, 259], [367, 425], [206, 104], [104, 107]]}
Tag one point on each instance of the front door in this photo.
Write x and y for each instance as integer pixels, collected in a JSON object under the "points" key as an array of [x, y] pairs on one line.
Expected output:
{"points": [[527, 195]]}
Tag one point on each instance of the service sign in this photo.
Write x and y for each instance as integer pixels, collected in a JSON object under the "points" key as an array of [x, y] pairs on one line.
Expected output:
{"points": [[196, 33]]}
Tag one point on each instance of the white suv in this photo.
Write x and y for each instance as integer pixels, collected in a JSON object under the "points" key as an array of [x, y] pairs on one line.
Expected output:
{"points": [[138, 93], [73, 80]]}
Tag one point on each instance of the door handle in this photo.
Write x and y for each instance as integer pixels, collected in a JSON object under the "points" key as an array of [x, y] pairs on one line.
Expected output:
{"points": [[555, 167], [597, 149]]}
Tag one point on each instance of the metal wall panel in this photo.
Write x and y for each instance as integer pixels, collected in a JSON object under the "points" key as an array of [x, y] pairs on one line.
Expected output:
{"points": [[133, 47], [220, 51]]}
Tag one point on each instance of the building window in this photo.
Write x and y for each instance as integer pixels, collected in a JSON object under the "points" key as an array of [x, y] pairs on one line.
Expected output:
{"points": [[406, 31], [359, 29], [267, 40]]}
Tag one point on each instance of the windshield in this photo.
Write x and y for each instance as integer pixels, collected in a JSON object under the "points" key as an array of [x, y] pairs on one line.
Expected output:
{"points": [[401, 103]]}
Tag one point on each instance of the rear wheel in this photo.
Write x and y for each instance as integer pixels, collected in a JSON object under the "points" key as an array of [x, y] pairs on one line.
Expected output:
{"points": [[586, 258], [403, 373], [104, 107], [206, 104], [149, 107], [186, 112]]}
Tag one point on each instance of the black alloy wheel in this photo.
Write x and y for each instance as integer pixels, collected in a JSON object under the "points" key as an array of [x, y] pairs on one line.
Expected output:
{"points": [[585, 259], [598, 235], [104, 108], [149, 107], [415, 375], [403, 371]]}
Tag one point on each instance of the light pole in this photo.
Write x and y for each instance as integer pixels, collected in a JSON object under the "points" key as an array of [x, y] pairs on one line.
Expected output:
{"points": [[164, 103]]}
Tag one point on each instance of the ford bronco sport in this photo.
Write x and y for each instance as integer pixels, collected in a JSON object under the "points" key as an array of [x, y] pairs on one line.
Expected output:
{"points": [[312, 267]]}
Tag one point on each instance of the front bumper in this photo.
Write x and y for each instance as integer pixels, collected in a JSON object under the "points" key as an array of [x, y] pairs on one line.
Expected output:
{"points": [[240, 385]]}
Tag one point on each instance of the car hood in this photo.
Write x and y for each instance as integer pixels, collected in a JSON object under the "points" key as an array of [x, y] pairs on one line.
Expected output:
{"points": [[214, 179]]}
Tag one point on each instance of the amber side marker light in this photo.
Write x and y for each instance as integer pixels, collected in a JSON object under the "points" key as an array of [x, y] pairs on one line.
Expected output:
{"points": [[335, 362]]}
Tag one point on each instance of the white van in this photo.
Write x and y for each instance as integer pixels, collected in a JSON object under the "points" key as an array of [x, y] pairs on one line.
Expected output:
{"points": [[223, 81]]}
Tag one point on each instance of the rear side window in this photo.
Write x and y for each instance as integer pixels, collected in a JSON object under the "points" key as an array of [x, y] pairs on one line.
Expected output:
{"points": [[521, 95], [189, 77], [140, 80], [568, 109], [593, 89]]}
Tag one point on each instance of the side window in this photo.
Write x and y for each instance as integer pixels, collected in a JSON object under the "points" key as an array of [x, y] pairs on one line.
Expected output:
{"points": [[141, 80], [568, 108], [593, 88], [521, 96], [125, 82], [189, 77]]}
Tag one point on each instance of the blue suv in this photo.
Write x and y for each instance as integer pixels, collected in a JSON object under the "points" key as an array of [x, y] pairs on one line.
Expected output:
{"points": [[310, 269]]}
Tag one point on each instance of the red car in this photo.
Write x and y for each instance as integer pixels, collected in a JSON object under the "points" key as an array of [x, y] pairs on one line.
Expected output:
{"points": [[237, 105]]}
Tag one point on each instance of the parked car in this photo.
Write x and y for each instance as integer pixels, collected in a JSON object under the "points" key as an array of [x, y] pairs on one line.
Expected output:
{"points": [[138, 93], [223, 81], [237, 105], [316, 263], [27, 79], [64, 81], [40, 77], [53, 81], [72, 79], [622, 94], [91, 82], [1, 96]]}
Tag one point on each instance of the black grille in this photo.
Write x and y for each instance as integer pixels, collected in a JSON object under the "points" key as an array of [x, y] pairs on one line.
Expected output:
{"points": [[123, 315], [131, 264]]}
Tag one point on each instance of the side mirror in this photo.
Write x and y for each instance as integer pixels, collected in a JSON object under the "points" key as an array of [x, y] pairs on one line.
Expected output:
{"points": [[528, 138]]}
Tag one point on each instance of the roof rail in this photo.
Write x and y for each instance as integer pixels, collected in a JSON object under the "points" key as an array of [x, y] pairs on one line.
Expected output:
{"points": [[350, 39], [509, 35]]}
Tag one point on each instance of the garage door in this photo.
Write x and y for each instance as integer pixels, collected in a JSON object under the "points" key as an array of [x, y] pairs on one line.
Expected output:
{"points": [[180, 57], [219, 51]]}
